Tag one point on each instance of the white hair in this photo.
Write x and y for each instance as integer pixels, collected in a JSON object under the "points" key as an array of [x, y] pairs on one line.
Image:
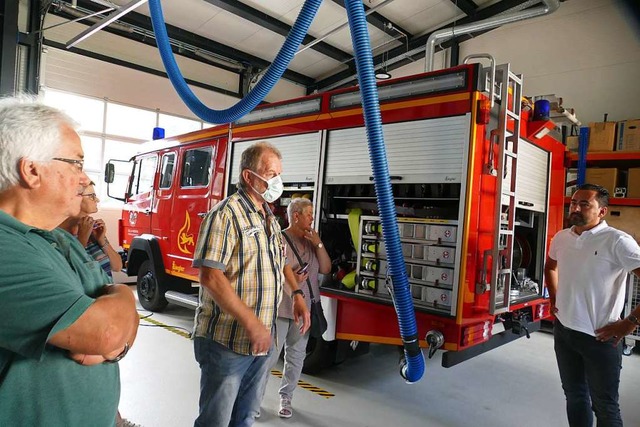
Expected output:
{"points": [[297, 205], [28, 130]]}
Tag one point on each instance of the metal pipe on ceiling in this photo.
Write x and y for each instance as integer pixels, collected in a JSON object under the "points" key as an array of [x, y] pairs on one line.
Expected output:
{"points": [[339, 27], [439, 36], [63, 7]]}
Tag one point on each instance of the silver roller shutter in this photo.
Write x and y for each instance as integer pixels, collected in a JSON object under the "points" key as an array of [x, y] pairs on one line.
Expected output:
{"points": [[424, 151], [533, 177], [300, 157]]}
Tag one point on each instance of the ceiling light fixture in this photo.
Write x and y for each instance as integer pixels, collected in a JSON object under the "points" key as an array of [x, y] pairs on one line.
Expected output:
{"points": [[382, 73]]}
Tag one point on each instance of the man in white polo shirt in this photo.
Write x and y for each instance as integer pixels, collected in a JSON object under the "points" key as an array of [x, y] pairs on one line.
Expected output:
{"points": [[586, 273]]}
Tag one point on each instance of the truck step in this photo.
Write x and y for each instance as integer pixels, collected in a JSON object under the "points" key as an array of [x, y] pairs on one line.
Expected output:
{"points": [[184, 300]]}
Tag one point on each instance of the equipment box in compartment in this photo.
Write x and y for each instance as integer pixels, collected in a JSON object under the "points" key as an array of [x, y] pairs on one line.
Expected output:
{"points": [[442, 233], [439, 276], [441, 254], [436, 296]]}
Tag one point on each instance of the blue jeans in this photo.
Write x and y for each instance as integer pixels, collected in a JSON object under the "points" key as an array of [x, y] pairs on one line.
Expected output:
{"points": [[590, 375], [231, 385]]}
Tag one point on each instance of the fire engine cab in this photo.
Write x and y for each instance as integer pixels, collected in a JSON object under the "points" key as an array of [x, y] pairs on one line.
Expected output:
{"points": [[478, 187]]}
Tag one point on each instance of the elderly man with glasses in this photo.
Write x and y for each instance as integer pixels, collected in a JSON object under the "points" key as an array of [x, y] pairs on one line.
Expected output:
{"points": [[61, 329]]}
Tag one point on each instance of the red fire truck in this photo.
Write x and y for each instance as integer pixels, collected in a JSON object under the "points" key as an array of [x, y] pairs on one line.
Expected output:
{"points": [[478, 186]]}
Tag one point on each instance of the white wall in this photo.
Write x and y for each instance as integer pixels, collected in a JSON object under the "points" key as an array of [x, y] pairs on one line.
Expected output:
{"points": [[79, 74], [587, 52]]}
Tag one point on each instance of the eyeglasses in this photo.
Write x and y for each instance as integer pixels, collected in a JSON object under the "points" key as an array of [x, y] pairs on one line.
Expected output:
{"points": [[79, 164], [92, 196]]}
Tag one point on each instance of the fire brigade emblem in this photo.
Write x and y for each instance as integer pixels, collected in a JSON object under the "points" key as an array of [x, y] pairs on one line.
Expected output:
{"points": [[133, 217], [185, 239]]}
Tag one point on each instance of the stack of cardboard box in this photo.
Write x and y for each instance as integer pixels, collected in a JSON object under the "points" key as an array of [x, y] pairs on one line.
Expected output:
{"points": [[612, 136]]}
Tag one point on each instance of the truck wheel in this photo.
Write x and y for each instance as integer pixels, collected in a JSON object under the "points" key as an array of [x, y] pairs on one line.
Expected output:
{"points": [[150, 291], [320, 354]]}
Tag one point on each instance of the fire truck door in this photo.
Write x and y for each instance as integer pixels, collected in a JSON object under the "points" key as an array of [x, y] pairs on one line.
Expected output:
{"points": [[190, 204], [140, 206]]}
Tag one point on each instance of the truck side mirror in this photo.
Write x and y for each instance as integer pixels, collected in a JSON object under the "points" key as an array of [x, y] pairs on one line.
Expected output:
{"points": [[109, 173]]}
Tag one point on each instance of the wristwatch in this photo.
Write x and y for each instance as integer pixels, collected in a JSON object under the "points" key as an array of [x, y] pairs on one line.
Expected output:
{"points": [[633, 319], [320, 245], [120, 356], [297, 291]]}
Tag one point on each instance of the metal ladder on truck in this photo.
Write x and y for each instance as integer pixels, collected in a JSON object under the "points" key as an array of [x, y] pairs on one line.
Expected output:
{"points": [[507, 142]]}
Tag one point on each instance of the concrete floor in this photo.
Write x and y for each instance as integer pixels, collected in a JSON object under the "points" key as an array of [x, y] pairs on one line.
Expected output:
{"points": [[515, 385]]}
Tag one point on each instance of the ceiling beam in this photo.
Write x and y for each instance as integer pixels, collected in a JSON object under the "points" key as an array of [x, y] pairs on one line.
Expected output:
{"points": [[377, 20], [467, 6], [142, 21], [276, 26], [350, 77]]}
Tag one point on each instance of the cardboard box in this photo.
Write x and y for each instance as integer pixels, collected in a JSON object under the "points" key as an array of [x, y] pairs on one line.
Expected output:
{"points": [[606, 177], [602, 136], [573, 143], [628, 136], [633, 183], [625, 218]]}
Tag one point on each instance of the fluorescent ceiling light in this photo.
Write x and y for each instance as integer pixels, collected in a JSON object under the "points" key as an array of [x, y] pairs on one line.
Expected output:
{"points": [[106, 21]]}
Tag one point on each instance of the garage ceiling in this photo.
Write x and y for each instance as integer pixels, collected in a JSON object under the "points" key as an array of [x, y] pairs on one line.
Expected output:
{"points": [[245, 36]]}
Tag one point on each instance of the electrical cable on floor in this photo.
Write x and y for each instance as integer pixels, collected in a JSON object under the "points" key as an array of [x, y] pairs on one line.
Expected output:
{"points": [[157, 324]]}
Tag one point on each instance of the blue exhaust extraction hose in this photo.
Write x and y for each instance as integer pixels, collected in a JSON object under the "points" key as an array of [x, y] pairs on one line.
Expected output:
{"points": [[414, 369], [255, 96]]}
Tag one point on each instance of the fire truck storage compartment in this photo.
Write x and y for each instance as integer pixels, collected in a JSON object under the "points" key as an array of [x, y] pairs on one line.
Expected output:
{"points": [[300, 164], [428, 165], [300, 157], [531, 217]]}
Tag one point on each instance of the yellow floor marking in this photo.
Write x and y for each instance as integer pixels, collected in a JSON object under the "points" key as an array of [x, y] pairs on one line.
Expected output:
{"points": [[303, 384], [307, 386]]}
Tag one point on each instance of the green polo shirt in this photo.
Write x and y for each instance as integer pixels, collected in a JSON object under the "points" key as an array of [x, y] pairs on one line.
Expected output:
{"points": [[41, 294]]}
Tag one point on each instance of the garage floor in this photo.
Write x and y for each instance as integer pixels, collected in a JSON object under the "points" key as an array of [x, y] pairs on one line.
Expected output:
{"points": [[515, 385]]}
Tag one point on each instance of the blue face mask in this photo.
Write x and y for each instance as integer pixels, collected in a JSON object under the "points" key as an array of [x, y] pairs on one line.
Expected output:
{"points": [[274, 190]]}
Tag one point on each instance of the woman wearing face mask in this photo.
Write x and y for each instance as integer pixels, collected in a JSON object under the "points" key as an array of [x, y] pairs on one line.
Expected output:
{"points": [[314, 255], [92, 233]]}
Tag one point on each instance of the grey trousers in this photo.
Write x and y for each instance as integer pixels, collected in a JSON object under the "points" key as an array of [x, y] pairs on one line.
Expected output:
{"points": [[295, 350]]}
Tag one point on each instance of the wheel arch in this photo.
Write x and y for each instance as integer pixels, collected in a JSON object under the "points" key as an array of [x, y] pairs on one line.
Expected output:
{"points": [[145, 247]]}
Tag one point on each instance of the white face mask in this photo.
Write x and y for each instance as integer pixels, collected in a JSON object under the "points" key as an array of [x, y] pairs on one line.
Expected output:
{"points": [[274, 188]]}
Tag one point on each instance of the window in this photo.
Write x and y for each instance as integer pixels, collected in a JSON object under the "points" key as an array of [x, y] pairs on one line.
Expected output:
{"points": [[130, 122], [177, 125], [89, 112], [166, 171], [92, 148], [144, 172], [196, 167]]}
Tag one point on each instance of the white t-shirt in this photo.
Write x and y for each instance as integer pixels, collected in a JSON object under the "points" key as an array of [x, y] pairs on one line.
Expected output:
{"points": [[592, 272]]}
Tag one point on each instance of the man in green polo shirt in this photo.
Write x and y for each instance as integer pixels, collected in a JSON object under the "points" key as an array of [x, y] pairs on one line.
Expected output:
{"points": [[58, 331]]}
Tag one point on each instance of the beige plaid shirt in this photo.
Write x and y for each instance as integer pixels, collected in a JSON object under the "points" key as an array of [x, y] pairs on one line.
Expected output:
{"points": [[236, 238]]}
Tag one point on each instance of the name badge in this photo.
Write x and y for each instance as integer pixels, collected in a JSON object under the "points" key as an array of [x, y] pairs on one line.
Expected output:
{"points": [[252, 231]]}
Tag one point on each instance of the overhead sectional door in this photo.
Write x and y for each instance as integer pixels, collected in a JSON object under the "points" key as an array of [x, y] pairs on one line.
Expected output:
{"points": [[300, 157], [533, 177], [424, 151]]}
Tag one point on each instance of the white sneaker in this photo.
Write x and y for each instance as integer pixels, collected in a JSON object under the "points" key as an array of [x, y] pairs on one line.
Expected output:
{"points": [[285, 410]]}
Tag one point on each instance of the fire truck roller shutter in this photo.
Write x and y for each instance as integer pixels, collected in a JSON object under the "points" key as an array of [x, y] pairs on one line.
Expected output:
{"points": [[300, 157], [533, 177], [419, 151]]}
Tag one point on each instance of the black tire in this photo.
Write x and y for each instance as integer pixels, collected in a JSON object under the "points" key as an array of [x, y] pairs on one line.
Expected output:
{"points": [[320, 354], [150, 289]]}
